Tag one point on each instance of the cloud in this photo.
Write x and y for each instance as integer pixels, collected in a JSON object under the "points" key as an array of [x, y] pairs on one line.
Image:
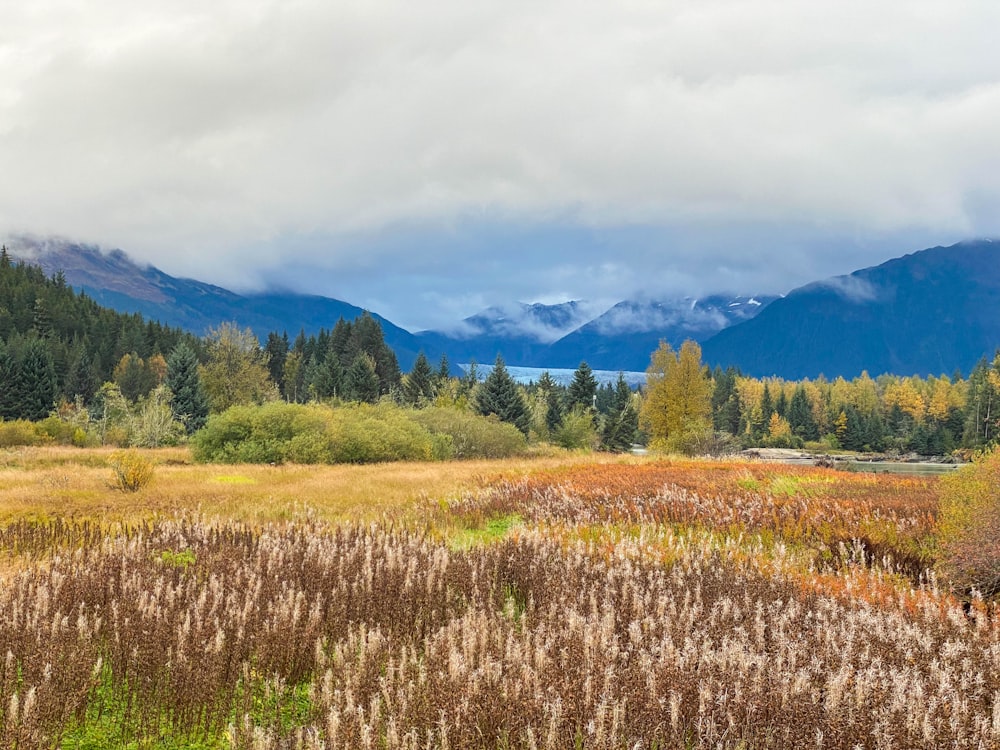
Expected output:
{"points": [[852, 288], [249, 141]]}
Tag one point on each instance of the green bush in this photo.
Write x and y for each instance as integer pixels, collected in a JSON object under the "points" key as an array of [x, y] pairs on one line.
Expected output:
{"points": [[278, 432], [576, 431], [21, 432], [363, 433], [969, 527], [467, 435], [359, 433]]}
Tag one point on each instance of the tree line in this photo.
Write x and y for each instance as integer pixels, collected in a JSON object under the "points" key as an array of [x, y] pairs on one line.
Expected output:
{"points": [[688, 408], [125, 380]]}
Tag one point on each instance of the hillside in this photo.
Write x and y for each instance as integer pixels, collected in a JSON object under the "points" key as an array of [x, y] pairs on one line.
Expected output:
{"points": [[925, 313], [114, 280]]}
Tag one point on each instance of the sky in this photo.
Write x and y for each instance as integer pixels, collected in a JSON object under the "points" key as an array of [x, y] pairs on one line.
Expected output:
{"points": [[426, 160]]}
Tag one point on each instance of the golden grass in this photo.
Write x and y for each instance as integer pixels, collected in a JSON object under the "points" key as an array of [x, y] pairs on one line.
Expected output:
{"points": [[49, 482]]}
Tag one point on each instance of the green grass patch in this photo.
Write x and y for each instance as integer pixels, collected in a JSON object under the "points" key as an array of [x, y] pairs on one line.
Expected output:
{"points": [[493, 530]]}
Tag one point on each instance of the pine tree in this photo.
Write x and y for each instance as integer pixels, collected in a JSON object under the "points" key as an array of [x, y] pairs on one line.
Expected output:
{"points": [[81, 379], [10, 383], [499, 395], [326, 378], [276, 350], [37, 380], [622, 422], [418, 388], [583, 390], [189, 402], [366, 337], [800, 416], [725, 401], [444, 371], [361, 381]]}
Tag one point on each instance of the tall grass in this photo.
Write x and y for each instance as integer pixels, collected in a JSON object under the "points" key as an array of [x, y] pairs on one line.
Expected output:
{"points": [[303, 635]]}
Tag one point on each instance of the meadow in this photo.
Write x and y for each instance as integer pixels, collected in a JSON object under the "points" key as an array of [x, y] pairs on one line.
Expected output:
{"points": [[553, 601]]}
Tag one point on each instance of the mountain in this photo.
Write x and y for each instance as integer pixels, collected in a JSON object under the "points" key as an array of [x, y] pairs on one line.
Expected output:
{"points": [[926, 313], [624, 337], [518, 331], [115, 281]]}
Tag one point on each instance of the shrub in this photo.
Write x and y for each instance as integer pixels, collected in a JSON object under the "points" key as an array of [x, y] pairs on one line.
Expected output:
{"points": [[462, 434], [279, 432], [969, 527], [21, 432], [131, 470], [576, 431], [363, 433]]}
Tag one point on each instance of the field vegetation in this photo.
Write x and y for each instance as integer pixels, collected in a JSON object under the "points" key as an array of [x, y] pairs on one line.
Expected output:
{"points": [[557, 601]]}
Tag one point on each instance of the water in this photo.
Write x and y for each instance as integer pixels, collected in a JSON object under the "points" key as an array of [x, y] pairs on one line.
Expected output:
{"points": [[898, 467], [525, 375]]}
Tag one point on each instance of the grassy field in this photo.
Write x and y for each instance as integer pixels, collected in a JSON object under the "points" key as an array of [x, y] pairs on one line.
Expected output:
{"points": [[560, 601]]}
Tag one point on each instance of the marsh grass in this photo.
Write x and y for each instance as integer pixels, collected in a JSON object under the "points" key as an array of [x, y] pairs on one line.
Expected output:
{"points": [[64, 482]]}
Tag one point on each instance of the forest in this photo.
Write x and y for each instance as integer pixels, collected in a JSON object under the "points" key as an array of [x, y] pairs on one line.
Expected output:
{"points": [[85, 374]]}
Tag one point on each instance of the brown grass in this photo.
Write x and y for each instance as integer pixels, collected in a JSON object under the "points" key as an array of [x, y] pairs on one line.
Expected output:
{"points": [[50, 482]]}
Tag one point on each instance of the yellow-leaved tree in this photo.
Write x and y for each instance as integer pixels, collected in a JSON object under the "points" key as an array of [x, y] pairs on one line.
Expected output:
{"points": [[676, 412]]}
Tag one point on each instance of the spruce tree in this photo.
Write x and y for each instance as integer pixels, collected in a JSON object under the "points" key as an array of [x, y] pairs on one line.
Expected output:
{"points": [[361, 381], [326, 378], [583, 390], [800, 416], [189, 401], [499, 395], [10, 382], [37, 380], [444, 371], [622, 422], [419, 388], [276, 350]]}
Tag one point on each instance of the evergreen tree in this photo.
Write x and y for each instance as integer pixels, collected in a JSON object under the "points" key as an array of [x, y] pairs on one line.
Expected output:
{"points": [[366, 337], [499, 395], [800, 416], [766, 406], [361, 380], [419, 388], [10, 383], [725, 401], [133, 377], [189, 402], [553, 403], [583, 390], [444, 371], [554, 413], [326, 378], [37, 380], [81, 378], [276, 350], [622, 422], [781, 404]]}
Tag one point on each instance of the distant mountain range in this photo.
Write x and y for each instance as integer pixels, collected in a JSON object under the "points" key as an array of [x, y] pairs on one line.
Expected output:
{"points": [[925, 313]]}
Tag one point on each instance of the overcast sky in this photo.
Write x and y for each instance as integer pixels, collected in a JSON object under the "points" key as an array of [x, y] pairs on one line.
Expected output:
{"points": [[428, 159]]}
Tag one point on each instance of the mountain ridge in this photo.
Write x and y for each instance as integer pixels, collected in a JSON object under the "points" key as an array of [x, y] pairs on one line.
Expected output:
{"points": [[924, 313]]}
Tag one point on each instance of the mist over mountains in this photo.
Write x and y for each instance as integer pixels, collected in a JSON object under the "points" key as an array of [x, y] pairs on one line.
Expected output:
{"points": [[929, 312]]}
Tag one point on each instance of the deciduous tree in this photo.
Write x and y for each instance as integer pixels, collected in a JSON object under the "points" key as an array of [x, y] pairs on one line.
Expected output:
{"points": [[677, 406], [236, 371]]}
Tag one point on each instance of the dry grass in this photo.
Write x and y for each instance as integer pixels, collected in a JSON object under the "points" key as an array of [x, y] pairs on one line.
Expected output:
{"points": [[50, 482]]}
